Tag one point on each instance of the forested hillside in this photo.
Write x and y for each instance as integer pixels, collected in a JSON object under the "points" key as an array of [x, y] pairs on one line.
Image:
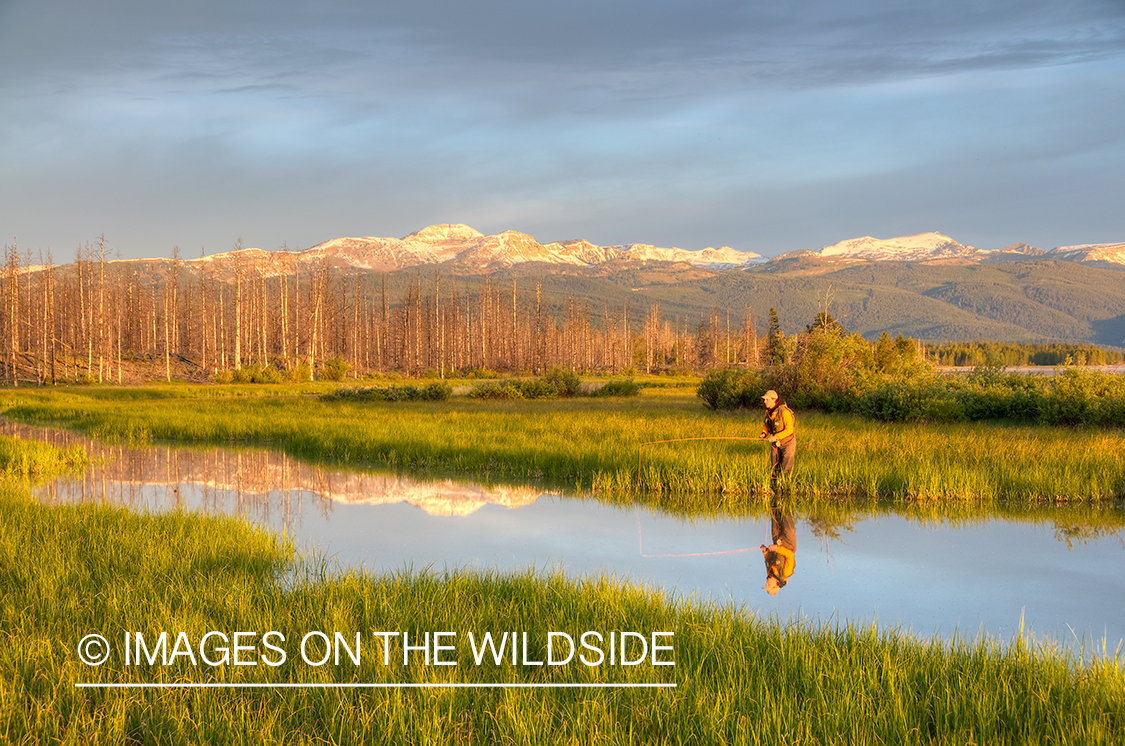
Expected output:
{"points": [[86, 318]]}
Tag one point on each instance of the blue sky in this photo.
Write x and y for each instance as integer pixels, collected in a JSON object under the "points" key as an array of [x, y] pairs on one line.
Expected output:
{"points": [[762, 126]]}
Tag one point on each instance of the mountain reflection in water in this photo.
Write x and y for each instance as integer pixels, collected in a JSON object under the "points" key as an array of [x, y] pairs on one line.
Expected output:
{"points": [[934, 568], [258, 482]]}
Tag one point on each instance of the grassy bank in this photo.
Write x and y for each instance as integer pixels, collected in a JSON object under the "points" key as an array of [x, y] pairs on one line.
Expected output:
{"points": [[739, 679], [605, 445]]}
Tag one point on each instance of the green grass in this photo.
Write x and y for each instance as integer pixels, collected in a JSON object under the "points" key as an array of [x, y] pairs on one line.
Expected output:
{"points": [[31, 459], [739, 679], [585, 444]]}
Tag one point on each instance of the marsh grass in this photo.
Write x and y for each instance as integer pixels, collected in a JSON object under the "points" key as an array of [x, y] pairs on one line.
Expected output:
{"points": [[601, 445], [32, 459], [740, 679]]}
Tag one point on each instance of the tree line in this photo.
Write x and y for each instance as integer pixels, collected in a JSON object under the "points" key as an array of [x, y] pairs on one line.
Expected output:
{"points": [[89, 319], [1007, 354]]}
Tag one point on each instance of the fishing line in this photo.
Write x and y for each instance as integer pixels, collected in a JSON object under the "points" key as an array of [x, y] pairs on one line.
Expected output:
{"points": [[681, 440], [637, 512], [641, 547]]}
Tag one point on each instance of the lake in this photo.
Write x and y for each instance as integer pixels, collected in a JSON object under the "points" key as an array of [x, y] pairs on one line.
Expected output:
{"points": [[1065, 582]]}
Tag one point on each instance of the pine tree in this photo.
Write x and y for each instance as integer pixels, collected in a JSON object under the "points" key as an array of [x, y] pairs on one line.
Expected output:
{"points": [[775, 341]]}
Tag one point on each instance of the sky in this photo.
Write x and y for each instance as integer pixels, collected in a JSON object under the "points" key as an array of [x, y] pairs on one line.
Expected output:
{"points": [[763, 126]]}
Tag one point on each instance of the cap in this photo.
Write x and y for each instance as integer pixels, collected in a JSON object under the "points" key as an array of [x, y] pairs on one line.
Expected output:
{"points": [[771, 394]]}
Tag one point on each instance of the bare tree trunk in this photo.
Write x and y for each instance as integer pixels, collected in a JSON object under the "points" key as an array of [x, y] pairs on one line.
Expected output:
{"points": [[355, 326], [318, 292], [283, 280], [383, 330], [538, 351], [203, 311], [13, 282], [101, 307], [176, 344], [221, 330], [440, 326], [87, 314], [49, 317], [120, 316], [264, 335], [238, 305], [167, 338]]}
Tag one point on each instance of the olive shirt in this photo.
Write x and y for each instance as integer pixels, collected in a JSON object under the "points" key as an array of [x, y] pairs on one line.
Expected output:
{"points": [[780, 420], [783, 532]]}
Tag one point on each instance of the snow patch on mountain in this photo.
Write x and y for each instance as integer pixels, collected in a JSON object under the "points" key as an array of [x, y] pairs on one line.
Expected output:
{"points": [[1021, 248], [444, 232], [470, 251], [1108, 253], [919, 247]]}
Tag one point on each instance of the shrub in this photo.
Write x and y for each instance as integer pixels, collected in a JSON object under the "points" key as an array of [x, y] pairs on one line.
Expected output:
{"points": [[334, 369], [433, 392], [1080, 397], [618, 388], [565, 381], [247, 374], [440, 391], [730, 389], [536, 388], [897, 401], [271, 375], [253, 373], [495, 391], [355, 394], [299, 373], [401, 393]]}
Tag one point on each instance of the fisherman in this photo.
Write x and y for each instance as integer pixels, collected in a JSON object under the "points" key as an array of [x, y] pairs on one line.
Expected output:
{"points": [[779, 428]]}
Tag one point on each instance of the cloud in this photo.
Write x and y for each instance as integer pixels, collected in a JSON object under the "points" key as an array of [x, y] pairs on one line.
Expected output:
{"points": [[313, 120]]}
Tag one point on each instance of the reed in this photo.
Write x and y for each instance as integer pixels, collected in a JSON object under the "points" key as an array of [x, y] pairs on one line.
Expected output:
{"points": [[740, 679]]}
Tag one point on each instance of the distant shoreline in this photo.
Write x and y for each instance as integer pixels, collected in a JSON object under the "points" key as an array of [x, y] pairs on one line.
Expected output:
{"points": [[1036, 370]]}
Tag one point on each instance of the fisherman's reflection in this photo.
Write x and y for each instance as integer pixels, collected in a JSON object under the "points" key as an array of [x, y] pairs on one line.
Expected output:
{"points": [[781, 554]]}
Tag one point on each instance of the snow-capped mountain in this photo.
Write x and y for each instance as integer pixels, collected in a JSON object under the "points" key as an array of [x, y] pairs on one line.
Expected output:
{"points": [[1099, 254], [1021, 248], [469, 251], [466, 251], [924, 247], [917, 248]]}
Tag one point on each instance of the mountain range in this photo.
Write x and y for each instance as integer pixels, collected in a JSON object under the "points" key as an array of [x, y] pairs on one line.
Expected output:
{"points": [[927, 286], [935, 247], [462, 250]]}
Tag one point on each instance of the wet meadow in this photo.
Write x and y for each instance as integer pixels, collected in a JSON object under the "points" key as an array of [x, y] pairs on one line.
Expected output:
{"points": [[738, 678]]}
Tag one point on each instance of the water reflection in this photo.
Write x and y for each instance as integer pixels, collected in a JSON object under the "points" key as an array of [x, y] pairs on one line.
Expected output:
{"points": [[781, 554], [260, 485], [933, 569]]}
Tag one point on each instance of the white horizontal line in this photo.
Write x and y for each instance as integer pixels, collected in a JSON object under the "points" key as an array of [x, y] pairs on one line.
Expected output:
{"points": [[364, 685]]}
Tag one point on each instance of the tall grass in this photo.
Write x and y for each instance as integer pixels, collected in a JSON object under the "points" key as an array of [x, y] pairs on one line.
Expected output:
{"points": [[32, 459], [605, 446], [739, 679]]}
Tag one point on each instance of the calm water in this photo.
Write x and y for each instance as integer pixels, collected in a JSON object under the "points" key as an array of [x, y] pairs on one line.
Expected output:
{"points": [[927, 577]]}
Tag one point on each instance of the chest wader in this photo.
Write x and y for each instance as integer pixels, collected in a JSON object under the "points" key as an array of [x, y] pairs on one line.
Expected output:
{"points": [[783, 453]]}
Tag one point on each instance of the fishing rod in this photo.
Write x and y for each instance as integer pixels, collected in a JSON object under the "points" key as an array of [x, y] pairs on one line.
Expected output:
{"points": [[680, 440], [640, 539]]}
